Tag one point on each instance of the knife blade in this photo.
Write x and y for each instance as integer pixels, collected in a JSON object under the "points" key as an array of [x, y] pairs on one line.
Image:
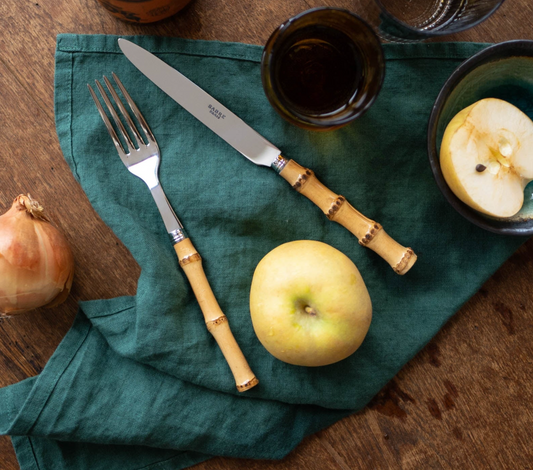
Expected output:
{"points": [[260, 151]]}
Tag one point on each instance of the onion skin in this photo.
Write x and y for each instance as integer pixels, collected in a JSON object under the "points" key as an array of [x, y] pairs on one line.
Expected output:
{"points": [[36, 262]]}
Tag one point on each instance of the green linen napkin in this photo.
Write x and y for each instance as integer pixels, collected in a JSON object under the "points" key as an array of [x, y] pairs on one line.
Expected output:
{"points": [[138, 382]]}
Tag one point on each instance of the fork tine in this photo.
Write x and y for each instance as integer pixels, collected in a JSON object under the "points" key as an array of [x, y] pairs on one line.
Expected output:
{"points": [[129, 143], [124, 111], [135, 109], [107, 123]]}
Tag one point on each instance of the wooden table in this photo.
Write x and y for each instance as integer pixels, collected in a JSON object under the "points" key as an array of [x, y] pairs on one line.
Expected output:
{"points": [[463, 402]]}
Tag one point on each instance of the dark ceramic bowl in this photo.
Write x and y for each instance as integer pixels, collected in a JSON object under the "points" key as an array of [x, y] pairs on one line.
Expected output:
{"points": [[503, 71]]}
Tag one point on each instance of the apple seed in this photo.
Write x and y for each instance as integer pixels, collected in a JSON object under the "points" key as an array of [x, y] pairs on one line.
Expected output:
{"points": [[480, 168], [505, 147], [494, 167]]}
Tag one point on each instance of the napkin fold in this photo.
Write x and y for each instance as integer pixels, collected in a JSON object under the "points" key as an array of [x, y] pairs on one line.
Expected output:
{"points": [[138, 382]]}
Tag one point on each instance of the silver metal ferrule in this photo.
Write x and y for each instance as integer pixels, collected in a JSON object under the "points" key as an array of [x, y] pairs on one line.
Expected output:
{"points": [[278, 164], [178, 235]]}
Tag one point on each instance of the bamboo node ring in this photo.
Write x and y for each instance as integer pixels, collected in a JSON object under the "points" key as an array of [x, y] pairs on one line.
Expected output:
{"points": [[372, 232], [247, 385], [302, 180], [404, 261], [334, 209], [190, 259], [217, 321]]}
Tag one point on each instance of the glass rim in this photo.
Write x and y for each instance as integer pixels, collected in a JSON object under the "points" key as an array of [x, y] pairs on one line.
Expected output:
{"points": [[434, 32]]}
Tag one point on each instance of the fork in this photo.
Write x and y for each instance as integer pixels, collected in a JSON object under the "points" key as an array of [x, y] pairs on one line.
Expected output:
{"points": [[141, 156]]}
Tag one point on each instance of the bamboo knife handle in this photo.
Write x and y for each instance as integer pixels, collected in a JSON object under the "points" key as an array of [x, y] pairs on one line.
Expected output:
{"points": [[338, 209], [215, 320]]}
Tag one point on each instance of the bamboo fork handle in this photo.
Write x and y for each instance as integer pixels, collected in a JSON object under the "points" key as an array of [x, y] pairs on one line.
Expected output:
{"points": [[215, 320], [338, 209]]}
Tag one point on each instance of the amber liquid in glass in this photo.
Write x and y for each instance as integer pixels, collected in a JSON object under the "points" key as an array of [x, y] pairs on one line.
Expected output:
{"points": [[318, 70]]}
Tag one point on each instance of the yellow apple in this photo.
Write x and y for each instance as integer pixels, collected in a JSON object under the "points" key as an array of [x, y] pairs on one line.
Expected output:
{"points": [[486, 156], [309, 304]]}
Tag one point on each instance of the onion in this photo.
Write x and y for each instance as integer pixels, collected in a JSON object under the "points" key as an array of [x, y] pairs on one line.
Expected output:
{"points": [[36, 263]]}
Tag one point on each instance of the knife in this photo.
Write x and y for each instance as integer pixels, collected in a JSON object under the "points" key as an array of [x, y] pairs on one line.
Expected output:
{"points": [[260, 151]]}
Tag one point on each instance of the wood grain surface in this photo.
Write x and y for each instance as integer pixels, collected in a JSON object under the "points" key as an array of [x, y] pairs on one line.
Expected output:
{"points": [[464, 402]]}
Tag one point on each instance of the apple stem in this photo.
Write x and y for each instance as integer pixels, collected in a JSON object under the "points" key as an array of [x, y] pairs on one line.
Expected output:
{"points": [[310, 310]]}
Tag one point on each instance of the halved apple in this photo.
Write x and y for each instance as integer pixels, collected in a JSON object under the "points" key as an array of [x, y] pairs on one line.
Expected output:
{"points": [[486, 156]]}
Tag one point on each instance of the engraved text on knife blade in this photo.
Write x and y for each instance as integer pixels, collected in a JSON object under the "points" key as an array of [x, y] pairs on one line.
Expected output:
{"points": [[202, 106]]}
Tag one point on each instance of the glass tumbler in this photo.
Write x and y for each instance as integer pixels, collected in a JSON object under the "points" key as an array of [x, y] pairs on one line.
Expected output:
{"points": [[418, 20], [322, 68]]}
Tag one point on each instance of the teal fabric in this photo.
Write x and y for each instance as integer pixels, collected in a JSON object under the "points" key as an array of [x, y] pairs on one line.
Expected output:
{"points": [[138, 382]]}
